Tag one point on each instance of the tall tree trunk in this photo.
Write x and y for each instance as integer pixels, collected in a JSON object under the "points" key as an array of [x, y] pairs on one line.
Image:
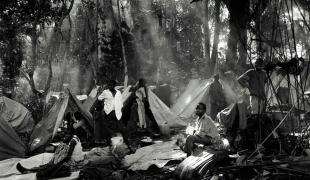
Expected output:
{"points": [[173, 33], [207, 32], [216, 37], [33, 60], [259, 45], [238, 18], [231, 54], [95, 62], [259, 8], [123, 46], [243, 35], [242, 48], [34, 43], [11, 57]]}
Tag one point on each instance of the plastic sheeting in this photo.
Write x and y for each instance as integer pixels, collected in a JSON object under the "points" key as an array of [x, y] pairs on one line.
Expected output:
{"points": [[14, 118], [8, 169], [198, 91], [91, 99], [16, 115], [228, 116], [83, 108], [162, 113], [8, 166], [47, 127], [158, 154], [195, 92], [10, 144]]}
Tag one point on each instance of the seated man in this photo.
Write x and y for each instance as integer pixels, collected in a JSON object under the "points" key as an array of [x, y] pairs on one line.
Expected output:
{"points": [[205, 130]]}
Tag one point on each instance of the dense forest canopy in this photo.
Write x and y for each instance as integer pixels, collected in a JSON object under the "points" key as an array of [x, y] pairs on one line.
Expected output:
{"points": [[51, 44]]}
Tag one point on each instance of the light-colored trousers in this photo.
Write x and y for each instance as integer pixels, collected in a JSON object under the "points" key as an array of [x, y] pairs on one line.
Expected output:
{"points": [[257, 105]]}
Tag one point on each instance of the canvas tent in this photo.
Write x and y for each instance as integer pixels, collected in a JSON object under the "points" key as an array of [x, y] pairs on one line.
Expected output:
{"points": [[161, 112], [15, 120], [198, 91], [46, 129]]}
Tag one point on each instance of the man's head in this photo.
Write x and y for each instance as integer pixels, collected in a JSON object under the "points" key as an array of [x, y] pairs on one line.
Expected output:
{"points": [[216, 77], [259, 63], [142, 82], [111, 84], [201, 109]]}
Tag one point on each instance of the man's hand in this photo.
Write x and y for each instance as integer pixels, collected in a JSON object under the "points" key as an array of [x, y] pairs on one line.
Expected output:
{"points": [[103, 87], [78, 124]]}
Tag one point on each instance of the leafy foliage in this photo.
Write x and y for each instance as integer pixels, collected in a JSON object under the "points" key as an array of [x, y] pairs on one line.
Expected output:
{"points": [[18, 19]]}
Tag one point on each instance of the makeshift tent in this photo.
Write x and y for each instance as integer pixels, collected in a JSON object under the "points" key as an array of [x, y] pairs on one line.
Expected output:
{"points": [[280, 82], [234, 113], [163, 91], [15, 120], [194, 93], [83, 108], [198, 91], [47, 128], [161, 112]]}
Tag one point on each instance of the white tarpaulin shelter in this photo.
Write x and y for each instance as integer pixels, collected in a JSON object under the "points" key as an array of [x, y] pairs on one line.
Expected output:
{"points": [[161, 112], [198, 91]]}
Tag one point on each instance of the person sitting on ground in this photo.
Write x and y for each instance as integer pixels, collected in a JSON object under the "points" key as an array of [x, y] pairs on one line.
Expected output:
{"points": [[255, 79], [205, 131]]}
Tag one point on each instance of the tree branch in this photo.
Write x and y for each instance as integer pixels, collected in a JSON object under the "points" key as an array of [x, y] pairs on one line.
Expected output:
{"points": [[49, 79]]}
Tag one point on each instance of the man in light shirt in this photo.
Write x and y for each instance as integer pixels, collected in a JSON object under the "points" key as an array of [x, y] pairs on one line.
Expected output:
{"points": [[109, 124], [205, 130]]}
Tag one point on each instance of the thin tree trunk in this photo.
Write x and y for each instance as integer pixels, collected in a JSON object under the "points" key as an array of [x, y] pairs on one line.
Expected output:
{"points": [[33, 60], [243, 38], [207, 31], [216, 37], [123, 47], [242, 48], [95, 62], [231, 54]]}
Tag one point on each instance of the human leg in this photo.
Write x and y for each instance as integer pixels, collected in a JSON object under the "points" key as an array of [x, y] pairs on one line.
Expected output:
{"points": [[191, 139], [254, 105]]}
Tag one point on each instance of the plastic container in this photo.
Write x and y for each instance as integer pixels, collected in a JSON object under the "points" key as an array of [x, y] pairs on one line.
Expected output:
{"points": [[165, 129], [117, 140], [146, 141]]}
